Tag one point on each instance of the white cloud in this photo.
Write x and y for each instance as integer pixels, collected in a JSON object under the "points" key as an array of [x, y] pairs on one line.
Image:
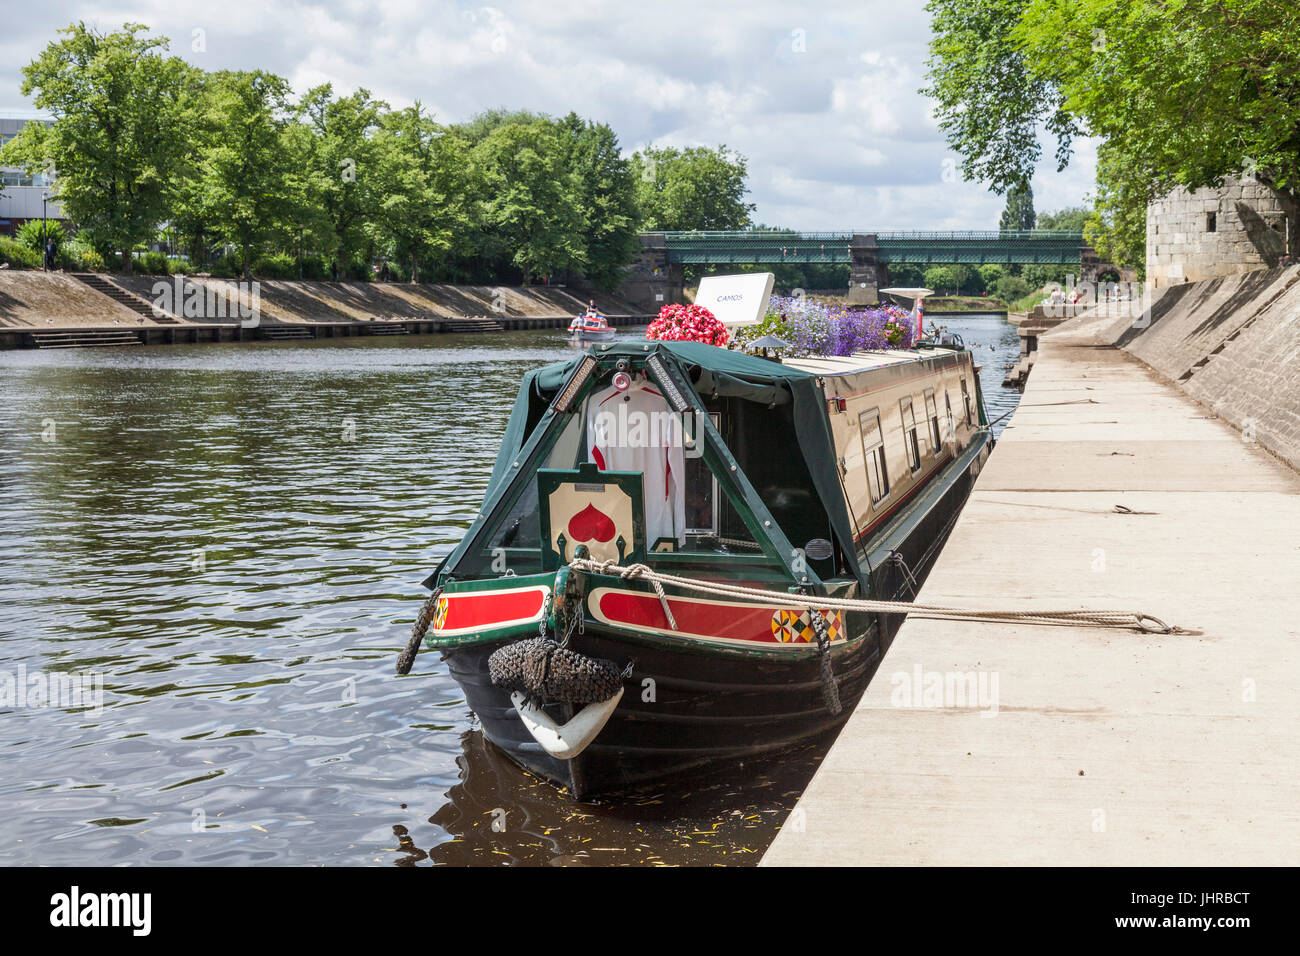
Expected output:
{"points": [[822, 98]]}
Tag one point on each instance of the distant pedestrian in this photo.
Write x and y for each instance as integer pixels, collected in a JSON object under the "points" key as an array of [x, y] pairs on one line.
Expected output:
{"points": [[334, 270], [50, 250]]}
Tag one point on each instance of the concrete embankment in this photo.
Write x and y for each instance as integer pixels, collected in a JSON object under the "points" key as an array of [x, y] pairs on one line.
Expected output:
{"points": [[39, 309], [1111, 488]]}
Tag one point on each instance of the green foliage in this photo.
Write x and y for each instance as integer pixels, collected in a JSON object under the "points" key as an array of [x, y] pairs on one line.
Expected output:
{"points": [[951, 279], [1019, 211], [152, 263], [1011, 288], [527, 189], [991, 100], [422, 177], [225, 266], [279, 265], [339, 178], [1117, 228], [244, 167], [78, 256], [1069, 219], [605, 197], [227, 162], [1181, 93], [989, 275], [695, 188], [118, 140], [1193, 90], [907, 275], [772, 323], [17, 255], [33, 232], [1038, 276]]}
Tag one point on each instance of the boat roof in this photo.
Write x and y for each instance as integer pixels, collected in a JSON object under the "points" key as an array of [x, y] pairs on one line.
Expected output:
{"points": [[857, 362], [838, 365]]}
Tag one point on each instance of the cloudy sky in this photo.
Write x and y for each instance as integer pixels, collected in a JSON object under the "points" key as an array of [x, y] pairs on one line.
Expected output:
{"points": [[821, 96]]}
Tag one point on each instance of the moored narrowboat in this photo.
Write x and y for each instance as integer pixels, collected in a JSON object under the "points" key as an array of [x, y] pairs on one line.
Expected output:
{"points": [[624, 608]]}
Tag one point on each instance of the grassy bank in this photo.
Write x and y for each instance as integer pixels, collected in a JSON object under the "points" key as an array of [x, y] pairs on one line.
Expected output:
{"points": [[964, 303]]}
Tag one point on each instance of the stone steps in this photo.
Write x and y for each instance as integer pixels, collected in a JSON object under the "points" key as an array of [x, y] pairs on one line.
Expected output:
{"points": [[285, 332], [476, 323], [84, 338], [129, 299]]}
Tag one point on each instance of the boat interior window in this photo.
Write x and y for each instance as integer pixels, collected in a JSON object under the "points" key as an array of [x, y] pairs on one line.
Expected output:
{"points": [[765, 445], [910, 437], [712, 524], [515, 544], [873, 452]]}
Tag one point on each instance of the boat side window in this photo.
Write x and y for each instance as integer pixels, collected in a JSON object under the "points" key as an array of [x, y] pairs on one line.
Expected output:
{"points": [[932, 413], [701, 485], [873, 453], [950, 422], [910, 438], [965, 397]]}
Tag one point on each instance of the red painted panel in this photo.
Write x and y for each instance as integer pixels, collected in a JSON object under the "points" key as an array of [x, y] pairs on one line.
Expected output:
{"points": [[473, 609], [707, 620]]}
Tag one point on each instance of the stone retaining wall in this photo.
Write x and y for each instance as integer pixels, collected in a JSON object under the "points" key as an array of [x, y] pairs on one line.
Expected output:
{"points": [[1232, 343], [1241, 226]]}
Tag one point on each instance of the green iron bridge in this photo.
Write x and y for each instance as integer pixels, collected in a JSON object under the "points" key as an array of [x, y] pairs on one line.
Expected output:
{"points": [[758, 247], [657, 276]]}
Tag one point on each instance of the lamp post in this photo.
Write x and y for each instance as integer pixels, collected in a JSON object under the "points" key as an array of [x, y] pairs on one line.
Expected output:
{"points": [[45, 239]]}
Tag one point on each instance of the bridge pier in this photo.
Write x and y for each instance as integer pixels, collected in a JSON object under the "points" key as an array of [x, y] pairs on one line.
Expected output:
{"points": [[652, 281], [866, 271]]}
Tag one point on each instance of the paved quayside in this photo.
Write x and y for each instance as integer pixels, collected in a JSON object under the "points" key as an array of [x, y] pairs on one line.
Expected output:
{"points": [[1108, 746]]}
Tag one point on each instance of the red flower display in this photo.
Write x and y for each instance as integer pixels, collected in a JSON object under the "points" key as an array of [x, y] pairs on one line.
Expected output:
{"points": [[687, 323]]}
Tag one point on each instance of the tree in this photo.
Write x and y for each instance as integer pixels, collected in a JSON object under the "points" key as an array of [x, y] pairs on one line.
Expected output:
{"points": [[605, 197], [991, 100], [1193, 90], [245, 168], [1011, 288], [1117, 227], [1019, 211], [422, 174], [1182, 93], [529, 197], [695, 188], [906, 275], [305, 224], [341, 152], [950, 277], [118, 139], [990, 274], [1069, 219]]}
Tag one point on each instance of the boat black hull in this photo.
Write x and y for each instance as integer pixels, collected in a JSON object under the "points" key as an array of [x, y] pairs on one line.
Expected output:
{"points": [[697, 708]]}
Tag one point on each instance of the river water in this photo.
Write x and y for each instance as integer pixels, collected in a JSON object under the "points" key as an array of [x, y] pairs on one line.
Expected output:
{"points": [[231, 538]]}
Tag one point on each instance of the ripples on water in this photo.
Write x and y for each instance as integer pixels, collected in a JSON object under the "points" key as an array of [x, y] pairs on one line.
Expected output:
{"points": [[233, 537]]}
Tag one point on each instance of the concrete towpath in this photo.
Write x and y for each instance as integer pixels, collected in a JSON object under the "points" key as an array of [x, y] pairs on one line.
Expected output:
{"points": [[1109, 489]]}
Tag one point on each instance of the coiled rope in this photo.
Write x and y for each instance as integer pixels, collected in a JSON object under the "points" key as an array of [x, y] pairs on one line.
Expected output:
{"points": [[1136, 620]]}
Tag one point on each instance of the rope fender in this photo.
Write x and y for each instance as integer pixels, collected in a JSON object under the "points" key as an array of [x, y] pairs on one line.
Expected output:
{"points": [[545, 670], [1135, 620]]}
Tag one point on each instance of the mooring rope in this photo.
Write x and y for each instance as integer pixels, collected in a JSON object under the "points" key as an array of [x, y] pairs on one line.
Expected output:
{"points": [[1138, 620]]}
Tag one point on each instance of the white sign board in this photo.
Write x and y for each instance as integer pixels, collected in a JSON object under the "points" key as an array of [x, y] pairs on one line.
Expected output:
{"points": [[736, 300]]}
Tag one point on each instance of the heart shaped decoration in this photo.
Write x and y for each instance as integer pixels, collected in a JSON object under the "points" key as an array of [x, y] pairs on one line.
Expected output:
{"points": [[591, 525]]}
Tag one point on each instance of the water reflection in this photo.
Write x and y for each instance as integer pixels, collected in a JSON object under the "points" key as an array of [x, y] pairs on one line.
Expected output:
{"points": [[232, 537]]}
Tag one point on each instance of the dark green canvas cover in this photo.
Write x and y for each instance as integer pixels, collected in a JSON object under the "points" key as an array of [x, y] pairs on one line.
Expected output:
{"points": [[712, 371]]}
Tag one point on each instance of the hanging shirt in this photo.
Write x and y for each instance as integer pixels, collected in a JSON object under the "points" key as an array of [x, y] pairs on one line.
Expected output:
{"points": [[637, 430]]}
